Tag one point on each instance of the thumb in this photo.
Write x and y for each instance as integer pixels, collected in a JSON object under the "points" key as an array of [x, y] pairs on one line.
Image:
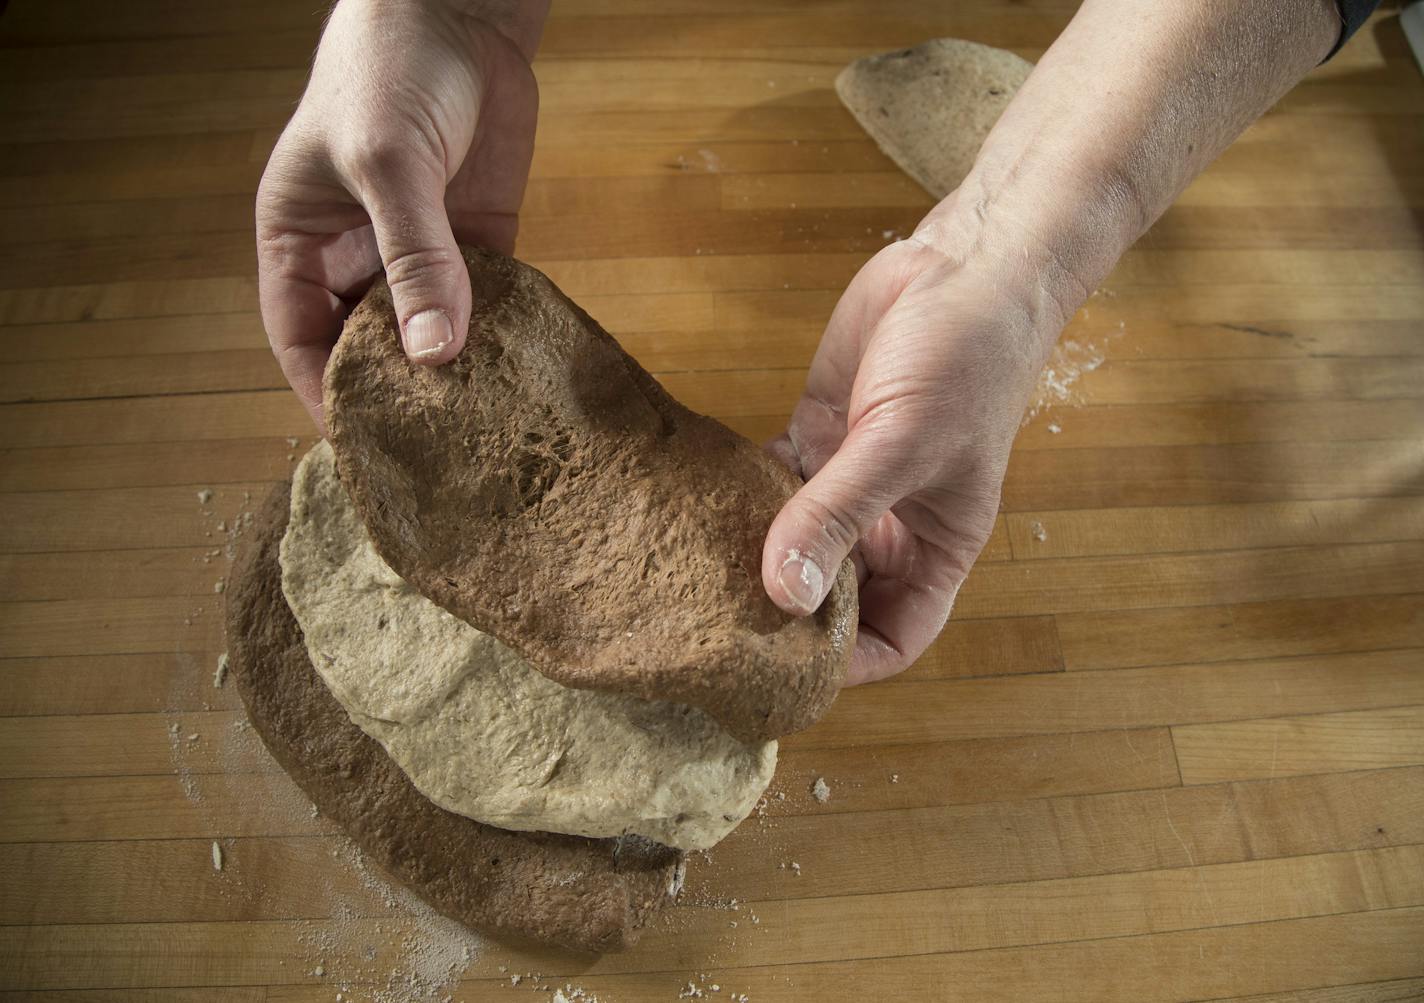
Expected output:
{"points": [[430, 284], [816, 529]]}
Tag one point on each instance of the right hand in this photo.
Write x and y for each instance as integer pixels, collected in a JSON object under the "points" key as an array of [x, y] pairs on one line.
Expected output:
{"points": [[415, 132], [903, 434]]}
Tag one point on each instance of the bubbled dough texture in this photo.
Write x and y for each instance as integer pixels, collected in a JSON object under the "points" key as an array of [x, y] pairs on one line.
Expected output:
{"points": [[544, 488], [476, 729]]}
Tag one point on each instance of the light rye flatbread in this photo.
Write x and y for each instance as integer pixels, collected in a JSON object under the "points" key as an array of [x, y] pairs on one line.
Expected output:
{"points": [[589, 894], [474, 726], [929, 108]]}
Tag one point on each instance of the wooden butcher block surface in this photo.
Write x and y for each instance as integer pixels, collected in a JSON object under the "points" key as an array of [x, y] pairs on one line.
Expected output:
{"points": [[1170, 747]]}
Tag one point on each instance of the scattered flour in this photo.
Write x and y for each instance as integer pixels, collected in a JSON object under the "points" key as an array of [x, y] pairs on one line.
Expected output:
{"points": [[1071, 360], [377, 943], [573, 994]]}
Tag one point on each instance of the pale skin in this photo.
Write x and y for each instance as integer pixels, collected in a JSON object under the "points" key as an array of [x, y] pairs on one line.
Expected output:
{"points": [[416, 131]]}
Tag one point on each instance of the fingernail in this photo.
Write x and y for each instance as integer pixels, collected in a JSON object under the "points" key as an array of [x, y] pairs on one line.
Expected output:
{"points": [[802, 580], [427, 334]]}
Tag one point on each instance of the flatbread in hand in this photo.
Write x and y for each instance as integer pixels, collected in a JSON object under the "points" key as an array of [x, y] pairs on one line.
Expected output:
{"points": [[544, 488]]}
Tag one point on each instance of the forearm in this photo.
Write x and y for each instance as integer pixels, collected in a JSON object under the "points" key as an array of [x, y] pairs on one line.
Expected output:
{"points": [[521, 21], [1126, 107]]}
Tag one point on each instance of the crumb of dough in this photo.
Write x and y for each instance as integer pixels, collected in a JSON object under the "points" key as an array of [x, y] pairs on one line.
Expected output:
{"points": [[894, 778], [205, 496], [1039, 533], [221, 674], [821, 790], [219, 586], [217, 856]]}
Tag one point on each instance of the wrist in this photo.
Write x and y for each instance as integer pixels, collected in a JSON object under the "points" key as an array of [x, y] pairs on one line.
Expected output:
{"points": [[521, 21], [1056, 230]]}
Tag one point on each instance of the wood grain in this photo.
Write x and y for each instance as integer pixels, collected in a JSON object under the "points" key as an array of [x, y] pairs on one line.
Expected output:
{"points": [[1170, 746]]}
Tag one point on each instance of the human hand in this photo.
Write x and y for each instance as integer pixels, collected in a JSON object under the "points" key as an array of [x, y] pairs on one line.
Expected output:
{"points": [[415, 132], [918, 386], [903, 433]]}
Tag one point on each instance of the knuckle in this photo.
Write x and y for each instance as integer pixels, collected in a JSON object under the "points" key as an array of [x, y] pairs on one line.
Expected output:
{"points": [[836, 532], [420, 268], [383, 148], [954, 527], [372, 163]]}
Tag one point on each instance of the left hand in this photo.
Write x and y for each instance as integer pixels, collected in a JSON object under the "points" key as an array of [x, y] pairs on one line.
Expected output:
{"points": [[416, 130], [903, 434]]}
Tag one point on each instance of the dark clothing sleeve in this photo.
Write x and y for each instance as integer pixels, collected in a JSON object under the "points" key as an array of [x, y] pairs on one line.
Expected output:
{"points": [[1353, 13]]}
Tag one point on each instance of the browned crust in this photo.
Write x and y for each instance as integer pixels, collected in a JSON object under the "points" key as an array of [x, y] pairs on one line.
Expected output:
{"points": [[587, 894], [544, 488]]}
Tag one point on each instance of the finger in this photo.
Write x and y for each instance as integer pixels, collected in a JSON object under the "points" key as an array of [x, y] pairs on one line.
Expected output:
{"points": [[862, 573], [784, 453], [818, 423], [302, 317], [430, 285], [899, 619], [914, 571], [816, 529], [483, 198], [302, 320]]}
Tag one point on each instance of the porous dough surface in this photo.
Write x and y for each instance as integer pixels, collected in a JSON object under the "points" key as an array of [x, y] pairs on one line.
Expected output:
{"points": [[474, 726], [545, 489]]}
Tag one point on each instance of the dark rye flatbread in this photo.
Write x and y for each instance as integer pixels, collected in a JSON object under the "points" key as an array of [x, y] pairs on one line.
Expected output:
{"points": [[587, 894], [542, 487]]}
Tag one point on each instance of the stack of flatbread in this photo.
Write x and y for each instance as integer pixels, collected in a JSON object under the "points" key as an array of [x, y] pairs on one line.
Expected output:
{"points": [[507, 628]]}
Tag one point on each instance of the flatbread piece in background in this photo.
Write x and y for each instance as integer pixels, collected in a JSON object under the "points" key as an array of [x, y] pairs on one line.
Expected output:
{"points": [[930, 108]]}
